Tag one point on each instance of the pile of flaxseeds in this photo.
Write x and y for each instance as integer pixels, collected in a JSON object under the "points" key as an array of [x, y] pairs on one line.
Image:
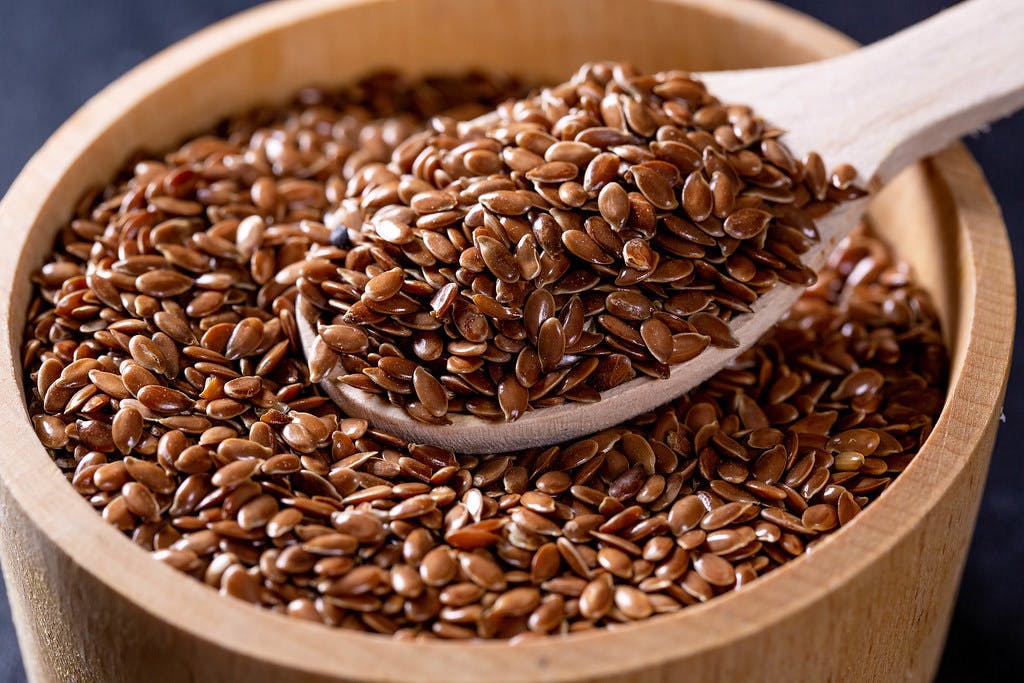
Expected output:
{"points": [[164, 371], [605, 229]]}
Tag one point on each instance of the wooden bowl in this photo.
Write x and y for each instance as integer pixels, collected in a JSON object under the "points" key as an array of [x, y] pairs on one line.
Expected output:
{"points": [[873, 603]]}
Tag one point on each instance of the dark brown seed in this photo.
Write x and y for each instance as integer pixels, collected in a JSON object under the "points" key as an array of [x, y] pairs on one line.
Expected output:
{"points": [[859, 383], [847, 508], [516, 602], [359, 581], [633, 602], [438, 567], [149, 475], [686, 346], [51, 431], [527, 258], [821, 517], [629, 305], [430, 392], [140, 501], [413, 507], [283, 522], [163, 283], [433, 201], [582, 246], [713, 327], [815, 175], [685, 514], [612, 371], [483, 571], [235, 473], [577, 153], [322, 359], [613, 203], [109, 383], [540, 306], [601, 170], [681, 155], [384, 286], [344, 338], [513, 396], [843, 175], [596, 598], [715, 570], [245, 338], [243, 387], [553, 172], [505, 202], [498, 259], [126, 429], [146, 353], [637, 254], [724, 192], [658, 339], [654, 187], [135, 377], [698, 200], [164, 399], [257, 512], [550, 344], [744, 224]]}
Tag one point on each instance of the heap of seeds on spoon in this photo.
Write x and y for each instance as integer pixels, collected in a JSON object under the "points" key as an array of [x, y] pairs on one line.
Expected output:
{"points": [[608, 227]]}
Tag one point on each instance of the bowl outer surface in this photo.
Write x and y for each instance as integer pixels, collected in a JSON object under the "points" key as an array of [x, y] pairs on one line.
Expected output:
{"points": [[77, 582]]}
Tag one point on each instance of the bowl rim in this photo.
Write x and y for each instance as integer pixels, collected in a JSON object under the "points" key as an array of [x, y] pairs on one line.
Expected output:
{"points": [[32, 483]]}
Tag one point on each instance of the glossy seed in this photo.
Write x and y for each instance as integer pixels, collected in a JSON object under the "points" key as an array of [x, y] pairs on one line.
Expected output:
{"points": [[582, 246], [498, 259], [384, 286], [165, 400], [744, 224], [698, 200], [658, 338], [550, 344], [613, 203], [430, 392]]}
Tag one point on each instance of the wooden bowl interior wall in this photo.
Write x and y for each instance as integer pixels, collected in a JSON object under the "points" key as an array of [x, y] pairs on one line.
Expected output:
{"points": [[81, 586]]}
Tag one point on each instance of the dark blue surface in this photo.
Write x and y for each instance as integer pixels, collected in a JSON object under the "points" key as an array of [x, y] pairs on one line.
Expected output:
{"points": [[54, 54]]}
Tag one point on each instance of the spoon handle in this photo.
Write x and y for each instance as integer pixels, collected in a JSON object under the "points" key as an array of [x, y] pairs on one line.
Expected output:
{"points": [[917, 91]]}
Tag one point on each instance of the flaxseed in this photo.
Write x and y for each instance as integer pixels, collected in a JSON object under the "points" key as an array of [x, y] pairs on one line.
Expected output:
{"points": [[606, 228], [164, 374]]}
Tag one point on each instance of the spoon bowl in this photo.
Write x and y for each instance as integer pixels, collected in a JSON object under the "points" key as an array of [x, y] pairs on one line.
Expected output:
{"points": [[470, 434], [878, 108]]}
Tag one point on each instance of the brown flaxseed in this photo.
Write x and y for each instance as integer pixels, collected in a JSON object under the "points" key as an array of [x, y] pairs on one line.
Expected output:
{"points": [[609, 227], [182, 410]]}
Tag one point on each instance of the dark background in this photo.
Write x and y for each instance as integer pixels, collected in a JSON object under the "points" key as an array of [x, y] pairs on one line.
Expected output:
{"points": [[54, 54]]}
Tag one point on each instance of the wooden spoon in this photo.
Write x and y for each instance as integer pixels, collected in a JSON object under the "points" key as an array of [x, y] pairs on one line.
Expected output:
{"points": [[879, 108]]}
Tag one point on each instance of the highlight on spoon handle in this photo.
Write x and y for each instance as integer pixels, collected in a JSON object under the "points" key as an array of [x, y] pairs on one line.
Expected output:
{"points": [[914, 93]]}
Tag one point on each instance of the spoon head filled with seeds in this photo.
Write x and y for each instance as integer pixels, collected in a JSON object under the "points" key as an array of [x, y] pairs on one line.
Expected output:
{"points": [[580, 257]]}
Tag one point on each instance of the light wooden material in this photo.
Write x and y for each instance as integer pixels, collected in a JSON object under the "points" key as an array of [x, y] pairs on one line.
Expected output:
{"points": [[870, 604], [879, 108]]}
